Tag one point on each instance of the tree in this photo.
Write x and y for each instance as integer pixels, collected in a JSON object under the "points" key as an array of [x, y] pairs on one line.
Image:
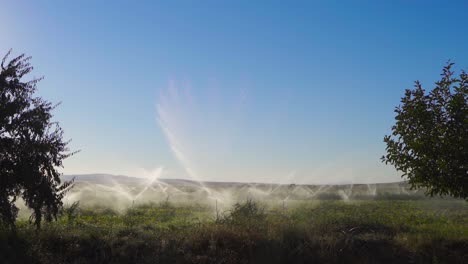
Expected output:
{"points": [[429, 141], [31, 147]]}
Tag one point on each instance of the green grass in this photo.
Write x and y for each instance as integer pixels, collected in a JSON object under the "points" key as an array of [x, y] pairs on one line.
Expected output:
{"points": [[360, 231]]}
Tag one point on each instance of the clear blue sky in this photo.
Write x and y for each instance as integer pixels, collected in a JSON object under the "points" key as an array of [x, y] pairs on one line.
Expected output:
{"points": [[233, 90]]}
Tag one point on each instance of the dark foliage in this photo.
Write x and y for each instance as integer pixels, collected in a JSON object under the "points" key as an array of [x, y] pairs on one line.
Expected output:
{"points": [[31, 147], [248, 213], [429, 142]]}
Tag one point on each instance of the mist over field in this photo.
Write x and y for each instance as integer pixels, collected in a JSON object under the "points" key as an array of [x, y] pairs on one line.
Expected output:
{"points": [[233, 132], [123, 192]]}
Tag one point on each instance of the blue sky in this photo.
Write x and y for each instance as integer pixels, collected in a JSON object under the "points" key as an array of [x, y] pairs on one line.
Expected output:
{"points": [[233, 90]]}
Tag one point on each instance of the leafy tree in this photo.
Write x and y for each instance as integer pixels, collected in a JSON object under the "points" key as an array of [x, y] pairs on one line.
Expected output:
{"points": [[31, 147], [429, 141]]}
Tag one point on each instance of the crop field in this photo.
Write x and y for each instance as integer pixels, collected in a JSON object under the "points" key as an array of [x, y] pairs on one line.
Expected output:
{"points": [[370, 224]]}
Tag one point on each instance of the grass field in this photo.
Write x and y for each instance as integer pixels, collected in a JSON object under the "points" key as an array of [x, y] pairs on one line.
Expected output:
{"points": [[385, 229]]}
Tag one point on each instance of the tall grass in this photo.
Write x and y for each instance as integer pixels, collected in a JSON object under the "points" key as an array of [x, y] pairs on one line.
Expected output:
{"points": [[384, 231]]}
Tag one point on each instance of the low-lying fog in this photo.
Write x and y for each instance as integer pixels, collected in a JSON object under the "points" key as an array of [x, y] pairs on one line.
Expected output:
{"points": [[121, 192]]}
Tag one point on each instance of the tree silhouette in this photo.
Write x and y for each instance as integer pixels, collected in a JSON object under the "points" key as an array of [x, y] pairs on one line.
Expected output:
{"points": [[31, 147], [429, 141]]}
